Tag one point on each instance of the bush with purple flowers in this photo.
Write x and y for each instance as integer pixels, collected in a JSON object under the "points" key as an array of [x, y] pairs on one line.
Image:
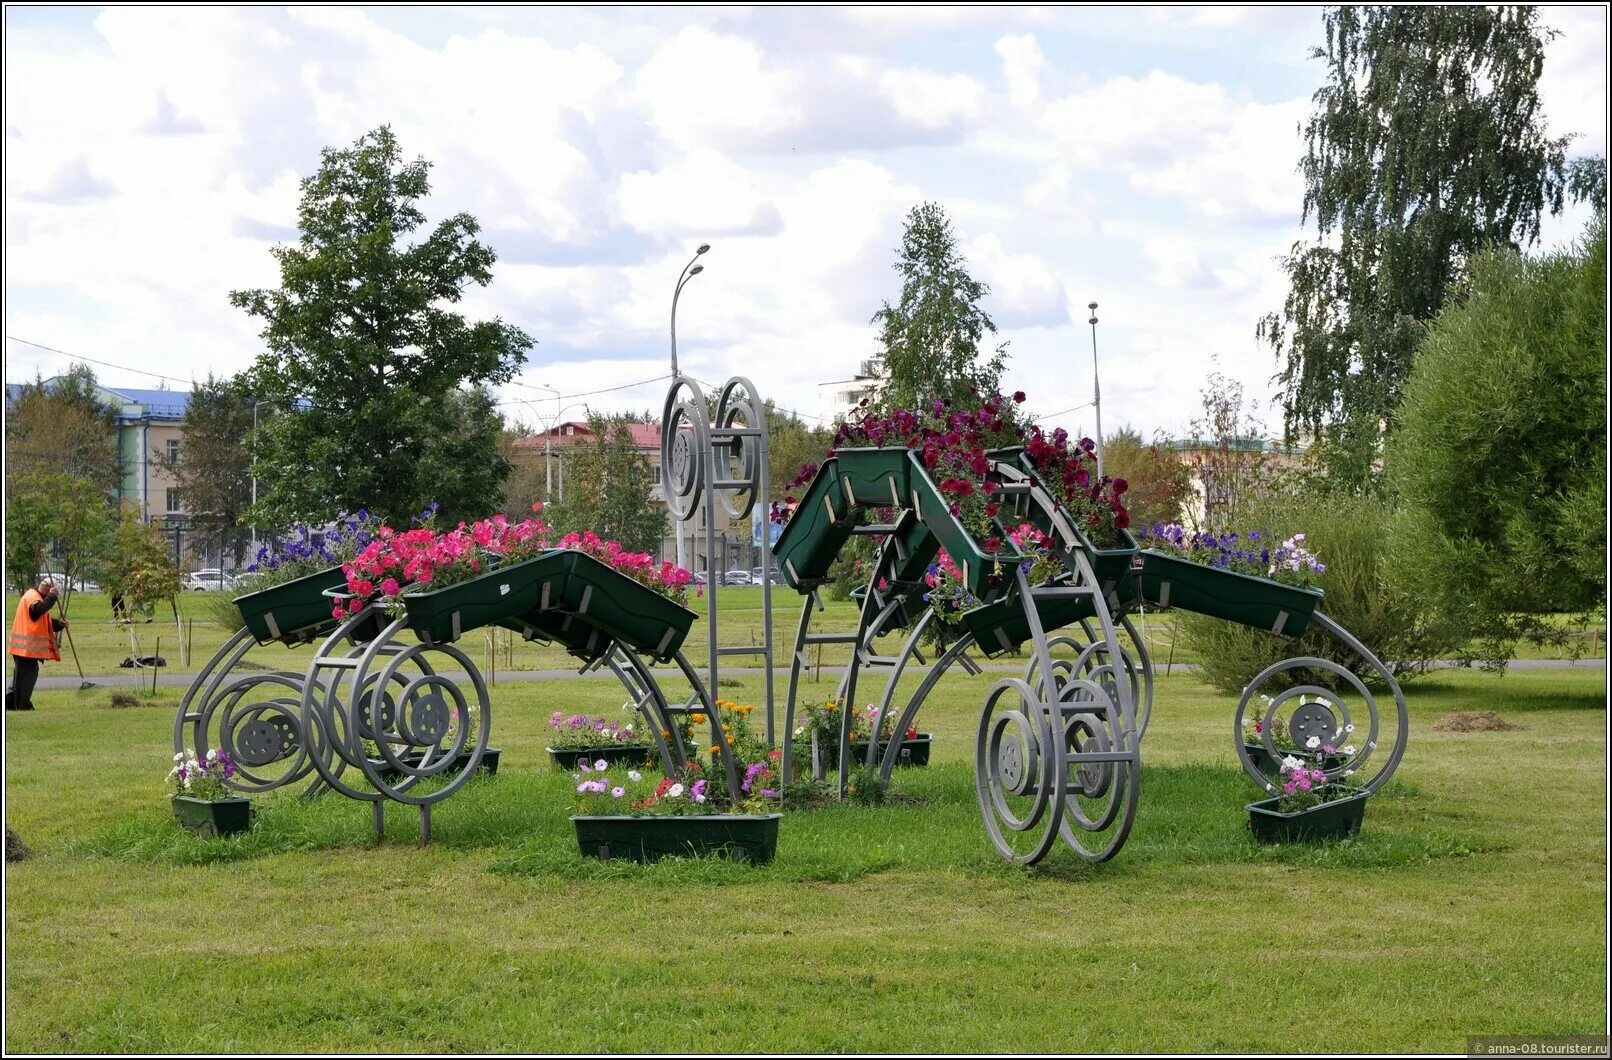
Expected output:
{"points": [[206, 778]]}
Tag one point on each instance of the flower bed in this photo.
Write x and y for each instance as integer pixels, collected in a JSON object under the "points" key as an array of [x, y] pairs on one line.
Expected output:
{"points": [[643, 816], [202, 798], [576, 738]]}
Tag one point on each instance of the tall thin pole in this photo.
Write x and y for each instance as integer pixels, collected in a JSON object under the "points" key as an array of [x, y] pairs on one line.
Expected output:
{"points": [[255, 404], [1096, 388], [689, 272]]}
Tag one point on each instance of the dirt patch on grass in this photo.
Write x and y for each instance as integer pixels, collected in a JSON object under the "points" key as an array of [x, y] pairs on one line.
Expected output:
{"points": [[1474, 721]]}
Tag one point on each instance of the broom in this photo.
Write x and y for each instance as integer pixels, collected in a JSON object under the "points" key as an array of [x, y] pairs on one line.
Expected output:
{"points": [[61, 601]]}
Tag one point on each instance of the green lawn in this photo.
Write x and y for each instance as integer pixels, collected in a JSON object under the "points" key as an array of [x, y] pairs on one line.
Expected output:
{"points": [[1473, 902]]}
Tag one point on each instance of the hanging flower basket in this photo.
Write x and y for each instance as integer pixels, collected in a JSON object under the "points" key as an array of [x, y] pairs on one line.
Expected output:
{"points": [[292, 612], [877, 478], [742, 837], [1172, 581]]}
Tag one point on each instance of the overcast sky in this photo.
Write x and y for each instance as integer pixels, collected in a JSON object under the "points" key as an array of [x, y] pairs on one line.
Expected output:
{"points": [[1140, 158]]}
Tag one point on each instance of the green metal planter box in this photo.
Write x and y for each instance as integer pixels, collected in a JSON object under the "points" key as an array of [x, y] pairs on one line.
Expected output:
{"points": [[814, 535], [1171, 581], [873, 477], [1330, 820], [1003, 626], [742, 837], [489, 763], [594, 605], [985, 574], [441, 616], [914, 752], [213, 817], [569, 757], [292, 612], [1112, 562]]}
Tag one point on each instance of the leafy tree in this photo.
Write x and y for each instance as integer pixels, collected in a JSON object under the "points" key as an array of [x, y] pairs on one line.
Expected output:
{"points": [[931, 337], [1226, 454], [791, 443], [1499, 458], [527, 480], [214, 468], [138, 563], [62, 470], [1160, 483], [367, 364], [607, 488], [1425, 145]]}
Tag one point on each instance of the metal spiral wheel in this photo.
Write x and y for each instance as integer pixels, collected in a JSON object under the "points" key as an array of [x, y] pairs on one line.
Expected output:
{"points": [[253, 717], [1091, 661], [684, 439], [741, 459], [423, 736], [1102, 793], [1018, 772]]}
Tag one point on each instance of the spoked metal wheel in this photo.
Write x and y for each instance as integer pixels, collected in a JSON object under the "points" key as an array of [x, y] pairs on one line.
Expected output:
{"points": [[1087, 656], [429, 724], [1019, 772], [1104, 771], [253, 717], [1338, 730]]}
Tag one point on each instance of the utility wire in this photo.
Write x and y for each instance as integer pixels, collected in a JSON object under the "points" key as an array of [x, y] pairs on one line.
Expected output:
{"points": [[92, 360]]}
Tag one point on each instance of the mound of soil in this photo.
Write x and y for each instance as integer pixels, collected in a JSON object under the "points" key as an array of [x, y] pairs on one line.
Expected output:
{"points": [[1473, 721], [16, 849]]}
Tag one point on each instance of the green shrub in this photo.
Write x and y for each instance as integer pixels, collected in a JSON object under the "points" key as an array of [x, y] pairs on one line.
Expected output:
{"points": [[1404, 627]]}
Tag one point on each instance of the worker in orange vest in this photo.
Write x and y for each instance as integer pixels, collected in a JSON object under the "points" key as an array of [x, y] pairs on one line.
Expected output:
{"points": [[33, 637]]}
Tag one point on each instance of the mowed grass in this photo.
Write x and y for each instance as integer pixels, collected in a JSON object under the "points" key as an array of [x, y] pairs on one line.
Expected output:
{"points": [[1473, 903]]}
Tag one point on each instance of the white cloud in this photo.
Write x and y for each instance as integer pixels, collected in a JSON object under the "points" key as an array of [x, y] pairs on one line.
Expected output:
{"points": [[1023, 66], [1025, 291]]}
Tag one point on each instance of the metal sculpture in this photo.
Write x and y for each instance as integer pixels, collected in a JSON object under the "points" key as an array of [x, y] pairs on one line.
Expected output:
{"points": [[719, 458], [1057, 751]]}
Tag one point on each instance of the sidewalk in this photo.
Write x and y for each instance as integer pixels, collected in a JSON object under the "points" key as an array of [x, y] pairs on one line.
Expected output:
{"points": [[176, 680]]}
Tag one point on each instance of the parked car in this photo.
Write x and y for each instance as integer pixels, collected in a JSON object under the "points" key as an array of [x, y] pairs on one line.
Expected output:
{"points": [[203, 581], [737, 577], [699, 578]]}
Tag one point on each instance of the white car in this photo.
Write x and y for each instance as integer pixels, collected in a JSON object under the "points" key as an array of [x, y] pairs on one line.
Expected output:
{"points": [[203, 581], [737, 577]]}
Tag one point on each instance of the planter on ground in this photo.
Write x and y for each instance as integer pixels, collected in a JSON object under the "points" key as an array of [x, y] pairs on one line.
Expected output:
{"points": [[292, 612], [742, 837], [569, 757], [1330, 820], [914, 752], [213, 817], [1172, 581]]}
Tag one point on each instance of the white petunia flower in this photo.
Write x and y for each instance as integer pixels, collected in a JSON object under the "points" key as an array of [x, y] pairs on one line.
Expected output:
{"points": [[180, 757], [1313, 742], [1349, 749], [633, 774], [601, 765], [675, 791], [1290, 763], [1349, 728]]}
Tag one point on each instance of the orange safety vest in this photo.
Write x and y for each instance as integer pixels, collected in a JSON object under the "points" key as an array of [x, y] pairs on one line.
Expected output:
{"points": [[33, 638]]}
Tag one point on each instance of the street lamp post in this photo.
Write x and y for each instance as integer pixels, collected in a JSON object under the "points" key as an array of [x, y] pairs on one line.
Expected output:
{"points": [[255, 405], [1096, 390], [689, 272]]}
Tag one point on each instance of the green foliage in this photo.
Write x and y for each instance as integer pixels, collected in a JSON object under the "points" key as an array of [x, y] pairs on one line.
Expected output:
{"points": [[139, 564], [607, 488], [1404, 627], [1227, 456], [1161, 484], [1500, 454], [931, 337], [376, 381], [62, 469], [1425, 145], [214, 468], [790, 444]]}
